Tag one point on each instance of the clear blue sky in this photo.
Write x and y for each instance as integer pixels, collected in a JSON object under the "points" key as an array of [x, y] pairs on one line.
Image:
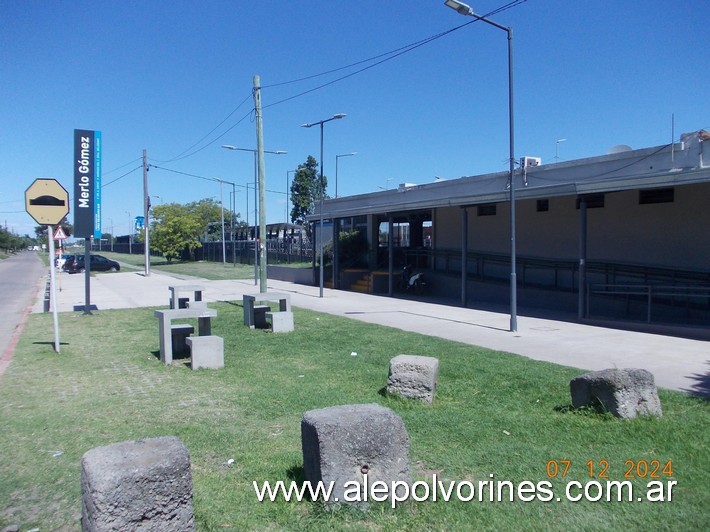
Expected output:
{"points": [[161, 75]]}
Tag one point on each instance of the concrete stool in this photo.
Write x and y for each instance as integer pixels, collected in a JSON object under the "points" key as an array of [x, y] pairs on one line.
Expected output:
{"points": [[344, 443], [206, 351], [413, 377], [281, 322], [179, 332], [260, 316], [626, 393], [137, 485]]}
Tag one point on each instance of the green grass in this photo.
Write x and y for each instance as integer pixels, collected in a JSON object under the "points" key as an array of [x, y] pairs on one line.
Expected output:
{"points": [[203, 269], [494, 413]]}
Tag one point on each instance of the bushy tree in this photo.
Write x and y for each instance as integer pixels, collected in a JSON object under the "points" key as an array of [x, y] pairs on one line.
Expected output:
{"points": [[174, 227], [209, 213], [306, 191]]}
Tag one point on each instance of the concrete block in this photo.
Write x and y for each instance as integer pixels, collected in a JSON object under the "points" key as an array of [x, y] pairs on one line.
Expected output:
{"points": [[413, 377], [626, 393], [281, 322], [143, 485], [350, 443], [179, 332], [206, 351]]}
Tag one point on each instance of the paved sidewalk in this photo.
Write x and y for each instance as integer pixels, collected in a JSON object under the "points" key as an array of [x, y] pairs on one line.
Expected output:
{"points": [[677, 363]]}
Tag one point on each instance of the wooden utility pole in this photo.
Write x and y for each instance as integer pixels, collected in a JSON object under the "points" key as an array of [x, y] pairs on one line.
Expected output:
{"points": [[146, 209], [262, 186]]}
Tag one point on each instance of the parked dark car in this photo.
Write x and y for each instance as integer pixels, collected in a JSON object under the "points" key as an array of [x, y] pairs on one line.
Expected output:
{"points": [[62, 259], [99, 263]]}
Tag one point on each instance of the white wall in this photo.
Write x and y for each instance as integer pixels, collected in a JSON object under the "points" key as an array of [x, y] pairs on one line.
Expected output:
{"points": [[675, 235]]}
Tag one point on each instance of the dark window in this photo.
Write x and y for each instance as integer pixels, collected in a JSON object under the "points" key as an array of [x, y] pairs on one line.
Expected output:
{"points": [[656, 195], [593, 201], [489, 209], [543, 205]]}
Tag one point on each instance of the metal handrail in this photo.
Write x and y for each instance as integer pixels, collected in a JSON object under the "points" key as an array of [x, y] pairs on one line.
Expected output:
{"points": [[649, 291]]}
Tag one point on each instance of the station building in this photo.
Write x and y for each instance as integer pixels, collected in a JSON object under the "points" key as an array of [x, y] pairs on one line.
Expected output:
{"points": [[623, 233]]}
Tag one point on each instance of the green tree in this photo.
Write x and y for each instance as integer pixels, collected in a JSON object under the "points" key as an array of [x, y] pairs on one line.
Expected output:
{"points": [[174, 227], [306, 190], [209, 213], [41, 231]]}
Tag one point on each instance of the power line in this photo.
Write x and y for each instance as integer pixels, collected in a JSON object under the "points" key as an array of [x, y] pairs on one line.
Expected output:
{"points": [[184, 154], [121, 177], [213, 179], [122, 166], [388, 56]]}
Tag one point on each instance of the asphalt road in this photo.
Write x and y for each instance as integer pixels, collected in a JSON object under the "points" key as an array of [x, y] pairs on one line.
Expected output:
{"points": [[20, 277]]}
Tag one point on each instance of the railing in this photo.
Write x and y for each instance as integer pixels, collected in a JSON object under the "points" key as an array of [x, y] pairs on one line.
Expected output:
{"points": [[692, 298]]}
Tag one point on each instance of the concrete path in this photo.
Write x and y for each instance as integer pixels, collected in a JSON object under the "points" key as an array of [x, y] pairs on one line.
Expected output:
{"points": [[677, 363], [20, 277]]}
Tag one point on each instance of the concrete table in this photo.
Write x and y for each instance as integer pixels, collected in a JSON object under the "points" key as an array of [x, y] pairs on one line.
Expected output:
{"points": [[165, 317], [283, 299], [193, 292]]}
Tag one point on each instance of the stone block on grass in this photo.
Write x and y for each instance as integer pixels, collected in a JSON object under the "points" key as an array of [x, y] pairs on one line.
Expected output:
{"points": [[206, 352], [626, 393], [141, 485], [351, 444], [413, 377]]}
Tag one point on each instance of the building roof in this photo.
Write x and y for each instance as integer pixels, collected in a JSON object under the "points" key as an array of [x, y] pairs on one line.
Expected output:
{"points": [[682, 163]]}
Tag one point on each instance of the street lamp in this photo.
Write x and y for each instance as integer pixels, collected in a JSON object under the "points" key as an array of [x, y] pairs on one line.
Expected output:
{"points": [[557, 145], [464, 9], [322, 191], [256, 211], [336, 168]]}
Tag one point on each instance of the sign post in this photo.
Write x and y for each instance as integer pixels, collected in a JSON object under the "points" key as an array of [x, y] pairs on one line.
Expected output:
{"points": [[87, 198], [48, 203]]}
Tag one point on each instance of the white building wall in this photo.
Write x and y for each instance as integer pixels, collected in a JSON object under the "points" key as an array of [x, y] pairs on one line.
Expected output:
{"points": [[674, 235]]}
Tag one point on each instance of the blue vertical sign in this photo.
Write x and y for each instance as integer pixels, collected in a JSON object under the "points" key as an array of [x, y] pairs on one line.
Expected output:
{"points": [[87, 183], [97, 184]]}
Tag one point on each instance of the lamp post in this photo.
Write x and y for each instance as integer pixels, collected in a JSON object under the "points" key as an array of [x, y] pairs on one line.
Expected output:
{"points": [[336, 168], [557, 146], [322, 191], [464, 9], [256, 212]]}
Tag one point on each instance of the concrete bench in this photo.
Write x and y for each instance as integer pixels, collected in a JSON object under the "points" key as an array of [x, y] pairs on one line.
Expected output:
{"points": [[413, 377], [250, 307], [179, 332], [194, 299], [137, 485], [626, 393], [342, 444], [206, 351], [281, 322], [165, 317]]}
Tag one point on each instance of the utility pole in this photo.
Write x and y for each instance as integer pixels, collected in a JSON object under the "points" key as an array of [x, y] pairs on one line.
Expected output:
{"points": [[146, 209], [262, 178]]}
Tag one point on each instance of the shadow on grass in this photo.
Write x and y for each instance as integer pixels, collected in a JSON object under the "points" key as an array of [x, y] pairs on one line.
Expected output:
{"points": [[50, 343], [596, 410], [297, 474], [184, 357]]}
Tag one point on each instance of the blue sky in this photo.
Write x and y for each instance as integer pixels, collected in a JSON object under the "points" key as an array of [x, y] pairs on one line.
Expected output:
{"points": [[161, 75]]}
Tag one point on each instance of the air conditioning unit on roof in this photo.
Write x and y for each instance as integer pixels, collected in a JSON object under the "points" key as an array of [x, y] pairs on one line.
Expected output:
{"points": [[525, 162]]}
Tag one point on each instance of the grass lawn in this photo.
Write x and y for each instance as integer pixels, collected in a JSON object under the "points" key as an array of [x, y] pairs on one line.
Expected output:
{"points": [[203, 269], [494, 414]]}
